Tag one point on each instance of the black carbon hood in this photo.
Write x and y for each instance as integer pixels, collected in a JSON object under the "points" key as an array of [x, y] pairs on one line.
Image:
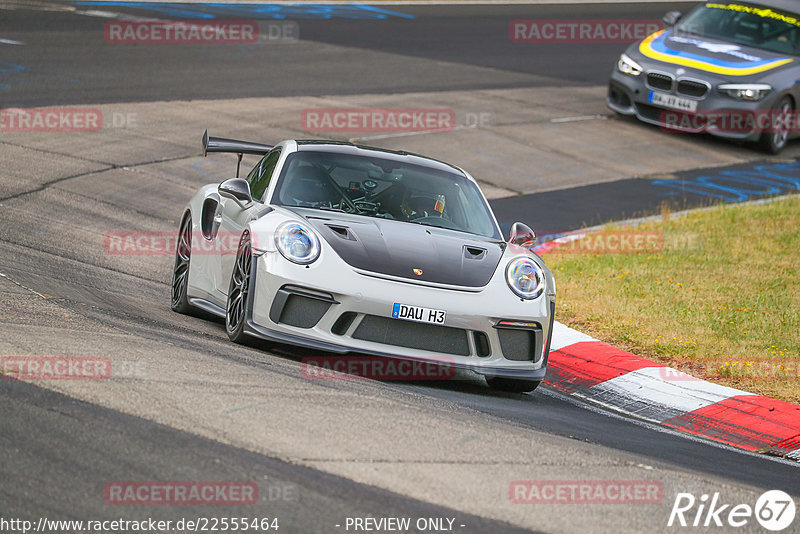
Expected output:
{"points": [[407, 250]]}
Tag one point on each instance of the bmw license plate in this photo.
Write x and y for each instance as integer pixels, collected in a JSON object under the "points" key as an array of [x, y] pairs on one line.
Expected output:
{"points": [[672, 101], [418, 313]]}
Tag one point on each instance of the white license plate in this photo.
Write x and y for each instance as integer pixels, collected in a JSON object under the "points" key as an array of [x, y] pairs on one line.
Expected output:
{"points": [[418, 313], [672, 101]]}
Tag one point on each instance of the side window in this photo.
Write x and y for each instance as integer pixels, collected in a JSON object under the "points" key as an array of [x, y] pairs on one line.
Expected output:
{"points": [[254, 173], [259, 177]]}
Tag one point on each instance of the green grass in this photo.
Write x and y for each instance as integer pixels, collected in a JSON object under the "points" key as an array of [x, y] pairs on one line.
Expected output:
{"points": [[720, 300]]}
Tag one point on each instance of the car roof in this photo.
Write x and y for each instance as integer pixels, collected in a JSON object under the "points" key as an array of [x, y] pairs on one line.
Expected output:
{"points": [[344, 147]]}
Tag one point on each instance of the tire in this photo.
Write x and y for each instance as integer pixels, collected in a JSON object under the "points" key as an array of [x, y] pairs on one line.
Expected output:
{"points": [[180, 271], [512, 385], [239, 292], [773, 142]]}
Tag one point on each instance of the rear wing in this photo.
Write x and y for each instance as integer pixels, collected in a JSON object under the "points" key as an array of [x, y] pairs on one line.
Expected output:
{"points": [[220, 144]]}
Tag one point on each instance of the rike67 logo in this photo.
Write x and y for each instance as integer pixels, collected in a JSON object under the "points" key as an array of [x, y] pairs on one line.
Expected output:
{"points": [[774, 510]]}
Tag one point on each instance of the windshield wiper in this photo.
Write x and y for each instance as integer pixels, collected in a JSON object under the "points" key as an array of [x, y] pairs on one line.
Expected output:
{"points": [[326, 208], [429, 224]]}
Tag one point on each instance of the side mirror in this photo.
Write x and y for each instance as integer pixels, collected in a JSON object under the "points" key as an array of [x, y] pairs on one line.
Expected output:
{"points": [[522, 236], [671, 19], [236, 189]]}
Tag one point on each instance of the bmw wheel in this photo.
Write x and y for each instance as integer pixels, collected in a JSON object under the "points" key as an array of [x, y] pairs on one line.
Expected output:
{"points": [[774, 140], [180, 272], [239, 292], [512, 385]]}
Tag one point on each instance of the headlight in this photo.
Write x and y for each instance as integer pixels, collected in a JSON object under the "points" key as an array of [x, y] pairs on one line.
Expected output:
{"points": [[525, 277], [297, 243], [628, 66], [750, 92]]}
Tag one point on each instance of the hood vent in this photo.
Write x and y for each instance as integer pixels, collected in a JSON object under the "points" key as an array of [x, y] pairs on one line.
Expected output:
{"points": [[474, 253], [342, 231]]}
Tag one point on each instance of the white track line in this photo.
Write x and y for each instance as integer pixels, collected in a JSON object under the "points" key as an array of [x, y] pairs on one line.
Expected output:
{"points": [[580, 118]]}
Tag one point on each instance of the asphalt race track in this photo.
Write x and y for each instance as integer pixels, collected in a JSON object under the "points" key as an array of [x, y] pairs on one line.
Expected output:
{"points": [[185, 404], [69, 65]]}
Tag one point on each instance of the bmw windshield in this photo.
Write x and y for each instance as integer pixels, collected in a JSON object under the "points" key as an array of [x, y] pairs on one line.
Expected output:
{"points": [[745, 24], [384, 188]]}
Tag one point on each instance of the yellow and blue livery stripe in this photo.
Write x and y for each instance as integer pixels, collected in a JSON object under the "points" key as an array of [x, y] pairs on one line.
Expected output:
{"points": [[654, 48]]}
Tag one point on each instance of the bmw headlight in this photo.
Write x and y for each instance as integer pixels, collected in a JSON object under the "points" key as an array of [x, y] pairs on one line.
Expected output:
{"points": [[750, 92], [628, 66], [525, 277], [297, 243]]}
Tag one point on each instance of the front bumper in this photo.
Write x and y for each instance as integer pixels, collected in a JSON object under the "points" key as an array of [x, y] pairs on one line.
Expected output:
{"points": [[630, 95], [331, 307]]}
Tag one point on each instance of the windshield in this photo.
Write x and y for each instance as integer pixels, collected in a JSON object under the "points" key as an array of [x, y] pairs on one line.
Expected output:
{"points": [[745, 24], [385, 189]]}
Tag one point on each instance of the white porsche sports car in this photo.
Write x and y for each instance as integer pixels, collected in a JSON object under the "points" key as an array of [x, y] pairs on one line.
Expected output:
{"points": [[353, 249]]}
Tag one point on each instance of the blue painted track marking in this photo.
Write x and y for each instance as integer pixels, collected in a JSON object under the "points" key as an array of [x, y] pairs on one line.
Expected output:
{"points": [[740, 185], [258, 11], [10, 67]]}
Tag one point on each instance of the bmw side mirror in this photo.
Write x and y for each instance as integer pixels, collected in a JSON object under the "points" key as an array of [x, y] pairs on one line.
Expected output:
{"points": [[671, 19], [236, 189], [522, 236]]}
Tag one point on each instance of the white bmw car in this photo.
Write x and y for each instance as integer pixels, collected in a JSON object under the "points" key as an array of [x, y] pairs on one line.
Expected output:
{"points": [[352, 249]]}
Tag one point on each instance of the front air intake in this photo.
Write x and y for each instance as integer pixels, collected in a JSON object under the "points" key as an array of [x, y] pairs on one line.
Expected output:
{"points": [[299, 307], [520, 341]]}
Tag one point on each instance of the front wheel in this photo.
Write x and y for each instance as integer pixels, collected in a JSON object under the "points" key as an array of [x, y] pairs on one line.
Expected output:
{"points": [[775, 138], [512, 385], [239, 292]]}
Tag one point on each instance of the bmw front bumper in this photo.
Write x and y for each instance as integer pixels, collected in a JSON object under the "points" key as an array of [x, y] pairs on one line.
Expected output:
{"points": [[631, 95]]}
